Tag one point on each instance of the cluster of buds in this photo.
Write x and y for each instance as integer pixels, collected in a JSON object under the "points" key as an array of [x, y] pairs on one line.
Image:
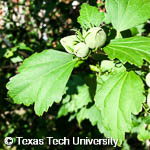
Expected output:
{"points": [[92, 39]]}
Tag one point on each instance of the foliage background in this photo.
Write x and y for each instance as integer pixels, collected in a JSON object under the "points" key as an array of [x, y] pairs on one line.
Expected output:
{"points": [[40, 25]]}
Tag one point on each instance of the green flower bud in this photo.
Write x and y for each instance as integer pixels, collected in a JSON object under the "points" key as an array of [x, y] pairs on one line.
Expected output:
{"points": [[69, 42], [81, 50], [95, 38]]}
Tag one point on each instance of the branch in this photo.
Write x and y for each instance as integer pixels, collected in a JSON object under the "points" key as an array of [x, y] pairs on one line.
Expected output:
{"points": [[6, 41]]}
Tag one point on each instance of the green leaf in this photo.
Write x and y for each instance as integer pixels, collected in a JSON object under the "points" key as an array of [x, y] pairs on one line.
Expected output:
{"points": [[107, 65], [23, 46], [90, 16], [79, 96], [132, 50], [140, 127], [125, 146], [117, 98], [42, 79], [16, 59], [125, 14], [92, 113], [144, 134]]}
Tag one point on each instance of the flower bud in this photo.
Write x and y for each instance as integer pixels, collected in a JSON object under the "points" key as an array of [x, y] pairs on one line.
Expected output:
{"points": [[95, 38], [81, 50], [69, 42]]}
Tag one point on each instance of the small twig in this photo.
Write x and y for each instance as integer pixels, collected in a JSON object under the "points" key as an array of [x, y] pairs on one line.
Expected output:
{"points": [[9, 67], [100, 52], [8, 44], [23, 54]]}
